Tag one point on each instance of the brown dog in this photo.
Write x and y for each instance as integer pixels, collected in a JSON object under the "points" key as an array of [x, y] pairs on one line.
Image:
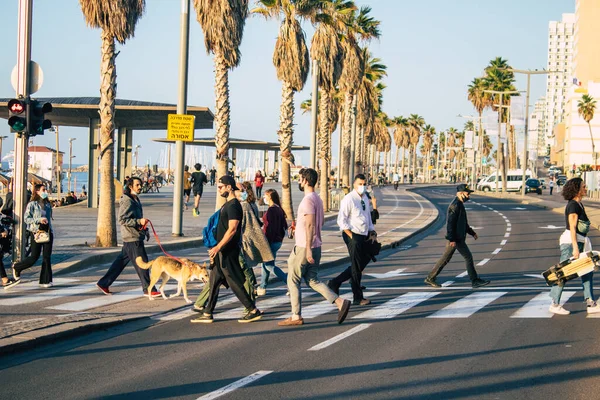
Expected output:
{"points": [[165, 268]]}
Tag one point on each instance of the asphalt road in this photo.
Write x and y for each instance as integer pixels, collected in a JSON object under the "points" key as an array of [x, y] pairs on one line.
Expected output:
{"points": [[412, 342]]}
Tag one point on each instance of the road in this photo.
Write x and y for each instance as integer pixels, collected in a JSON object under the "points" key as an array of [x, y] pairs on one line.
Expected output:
{"points": [[412, 342]]}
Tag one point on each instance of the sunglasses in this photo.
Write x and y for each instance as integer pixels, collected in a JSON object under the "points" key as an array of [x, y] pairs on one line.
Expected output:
{"points": [[362, 203]]}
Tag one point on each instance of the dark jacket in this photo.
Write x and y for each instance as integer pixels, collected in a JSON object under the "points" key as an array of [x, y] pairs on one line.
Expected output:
{"points": [[457, 224], [130, 213]]}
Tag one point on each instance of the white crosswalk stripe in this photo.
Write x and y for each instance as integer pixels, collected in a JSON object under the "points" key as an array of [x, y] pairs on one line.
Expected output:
{"points": [[396, 306], [261, 304], [323, 307], [49, 294], [538, 306], [467, 306], [33, 285]]}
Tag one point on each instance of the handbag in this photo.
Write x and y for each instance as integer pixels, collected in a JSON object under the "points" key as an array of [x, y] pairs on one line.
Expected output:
{"points": [[41, 237], [583, 227]]}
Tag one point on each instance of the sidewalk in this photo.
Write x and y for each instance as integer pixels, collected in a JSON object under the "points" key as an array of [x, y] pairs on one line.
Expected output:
{"points": [[31, 316]]}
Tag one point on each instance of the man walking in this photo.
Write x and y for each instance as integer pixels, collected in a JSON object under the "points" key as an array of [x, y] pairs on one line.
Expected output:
{"points": [[213, 174], [551, 185], [226, 256], [187, 185], [356, 224], [457, 228], [305, 257], [198, 181]]}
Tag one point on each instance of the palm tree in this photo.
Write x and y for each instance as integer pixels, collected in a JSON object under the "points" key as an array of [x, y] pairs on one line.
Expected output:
{"points": [[292, 64], [586, 108], [428, 135], [480, 100], [405, 146], [222, 22], [399, 124], [116, 23], [415, 124], [359, 26]]}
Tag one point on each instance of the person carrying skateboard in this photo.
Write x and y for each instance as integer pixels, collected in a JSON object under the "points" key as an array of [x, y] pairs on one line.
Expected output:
{"points": [[457, 228]]}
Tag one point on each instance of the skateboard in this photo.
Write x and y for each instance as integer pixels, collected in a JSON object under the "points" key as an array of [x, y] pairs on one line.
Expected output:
{"points": [[571, 268]]}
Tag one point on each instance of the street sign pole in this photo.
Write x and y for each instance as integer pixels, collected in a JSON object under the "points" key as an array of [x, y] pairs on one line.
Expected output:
{"points": [[21, 154], [181, 109]]}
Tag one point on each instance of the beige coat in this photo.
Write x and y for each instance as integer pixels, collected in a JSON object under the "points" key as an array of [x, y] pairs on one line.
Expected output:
{"points": [[255, 246]]}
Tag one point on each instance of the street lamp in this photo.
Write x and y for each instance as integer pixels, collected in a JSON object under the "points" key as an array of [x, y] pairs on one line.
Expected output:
{"points": [[500, 105], [480, 147], [136, 156], [55, 130], [71, 156]]}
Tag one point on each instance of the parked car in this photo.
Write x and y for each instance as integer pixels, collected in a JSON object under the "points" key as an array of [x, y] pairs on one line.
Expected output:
{"points": [[514, 178], [533, 185], [543, 182], [561, 180]]}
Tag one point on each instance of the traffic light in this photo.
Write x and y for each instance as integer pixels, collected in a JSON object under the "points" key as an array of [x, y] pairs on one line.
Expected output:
{"points": [[37, 121], [17, 115]]}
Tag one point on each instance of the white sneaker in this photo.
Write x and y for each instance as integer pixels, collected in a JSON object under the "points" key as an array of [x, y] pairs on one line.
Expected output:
{"points": [[46, 285], [261, 292], [558, 309], [592, 307]]}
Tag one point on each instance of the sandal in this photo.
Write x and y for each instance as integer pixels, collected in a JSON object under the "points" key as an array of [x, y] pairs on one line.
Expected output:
{"points": [[10, 283]]}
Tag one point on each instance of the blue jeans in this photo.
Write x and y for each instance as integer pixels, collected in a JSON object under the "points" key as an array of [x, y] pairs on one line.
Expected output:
{"points": [[270, 266], [566, 251]]}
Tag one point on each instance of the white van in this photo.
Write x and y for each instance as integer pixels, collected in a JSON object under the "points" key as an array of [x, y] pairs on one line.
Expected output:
{"points": [[514, 180]]}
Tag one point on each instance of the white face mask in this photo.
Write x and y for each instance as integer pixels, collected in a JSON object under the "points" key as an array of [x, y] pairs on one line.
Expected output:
{"points": [[266, 200], [360, 189]]}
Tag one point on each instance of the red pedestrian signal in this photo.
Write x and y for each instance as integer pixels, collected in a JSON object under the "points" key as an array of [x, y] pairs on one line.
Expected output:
{"points": [[17, 115]]}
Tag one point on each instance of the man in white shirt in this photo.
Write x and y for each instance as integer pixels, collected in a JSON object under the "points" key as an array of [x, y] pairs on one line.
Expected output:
{"points": [[354, 220]]}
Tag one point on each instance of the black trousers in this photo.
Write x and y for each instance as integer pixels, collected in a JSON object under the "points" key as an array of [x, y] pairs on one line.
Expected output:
{"points": [[258, 192], [129, 252], [464, 251], [359, 260], [45, 249], [227, 270]]}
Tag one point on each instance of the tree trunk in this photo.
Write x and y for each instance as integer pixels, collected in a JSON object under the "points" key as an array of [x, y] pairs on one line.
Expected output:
{"points": [[106, 231], [286, 140], [396, 162], [428, 160], [415, 172], [403, 160], [594, 157], [222, 120], [324, 147], [346, 140]]}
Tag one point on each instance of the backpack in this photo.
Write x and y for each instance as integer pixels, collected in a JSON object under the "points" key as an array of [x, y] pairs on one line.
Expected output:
{"points": [[209, 233]]}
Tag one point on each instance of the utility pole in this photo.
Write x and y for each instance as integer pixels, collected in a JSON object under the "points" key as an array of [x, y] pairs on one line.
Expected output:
{"points": [[184, 46], [58, 191], [353, 141], [314, 114], [137, 156], [70, 159]]}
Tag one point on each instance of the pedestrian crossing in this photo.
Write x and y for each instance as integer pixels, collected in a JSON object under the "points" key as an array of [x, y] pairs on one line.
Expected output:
{"points": [[74, 296]]}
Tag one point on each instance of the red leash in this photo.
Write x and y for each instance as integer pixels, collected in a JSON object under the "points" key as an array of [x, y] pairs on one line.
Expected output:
{"points": [[160, 245]]}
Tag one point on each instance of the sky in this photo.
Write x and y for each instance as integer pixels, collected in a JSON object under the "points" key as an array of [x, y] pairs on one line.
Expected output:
{"points": [[433, 49]]}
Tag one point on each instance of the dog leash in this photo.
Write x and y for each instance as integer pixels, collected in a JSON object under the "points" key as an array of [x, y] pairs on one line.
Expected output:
{"points": [[159, 244]]}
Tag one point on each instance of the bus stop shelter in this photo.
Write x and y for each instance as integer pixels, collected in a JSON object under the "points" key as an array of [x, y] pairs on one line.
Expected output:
{"points": [[130, 115]]}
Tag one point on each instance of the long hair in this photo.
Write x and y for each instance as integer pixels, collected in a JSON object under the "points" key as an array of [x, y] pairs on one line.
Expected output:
{"points": [[275, 198], [35, 196], [571, 188], [129, 185], [248, 188]]}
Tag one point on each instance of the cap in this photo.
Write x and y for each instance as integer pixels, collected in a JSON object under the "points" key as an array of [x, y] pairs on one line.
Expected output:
{"points": [[464, 188], [228, 180]]}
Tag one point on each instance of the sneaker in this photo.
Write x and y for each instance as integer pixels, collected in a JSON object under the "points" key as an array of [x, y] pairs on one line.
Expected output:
{"points": [[335, 288], [251, 317], [203, 319], [10, 283], [16, 275], [261, 292], [154, 294], [104, 289], [343, 311], [363, 302], [46, 285], [592, 307], [195, 308], [291, 322], [432, 282], [479, 283], [195, 213], [558, 309]]}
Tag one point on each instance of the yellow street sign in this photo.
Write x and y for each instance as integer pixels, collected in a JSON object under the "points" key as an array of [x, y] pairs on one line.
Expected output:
{"points": [[180, 127]]}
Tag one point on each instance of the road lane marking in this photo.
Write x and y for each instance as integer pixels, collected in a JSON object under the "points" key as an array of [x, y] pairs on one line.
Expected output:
{"points": [[462, 275], [483, 262], [49, 294], [507, 235], [188, 312], [467, 306], [323, 307], [339, 337], [447, 283], [502, 243], [508, 229], [498, 250], [262, 305], [508, 224], [32, 285], [235, 385], [538, 306], [396, 306]]}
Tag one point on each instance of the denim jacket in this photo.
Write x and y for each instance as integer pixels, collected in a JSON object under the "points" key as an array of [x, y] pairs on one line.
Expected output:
{"points": [[33, 215]]}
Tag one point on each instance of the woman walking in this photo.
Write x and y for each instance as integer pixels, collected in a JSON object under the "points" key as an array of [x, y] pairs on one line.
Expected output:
{"points": [[259, 181], [274, 227], [573, 241], [38, 217]]}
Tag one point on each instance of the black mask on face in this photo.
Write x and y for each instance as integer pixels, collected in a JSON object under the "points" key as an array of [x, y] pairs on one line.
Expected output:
{"points": [[466, 198], [225, 194], [300, 187]]}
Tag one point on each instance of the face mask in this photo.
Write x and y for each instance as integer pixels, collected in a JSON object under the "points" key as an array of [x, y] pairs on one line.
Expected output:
{"points": [[466, 198], [244, 196], [225, 194], [266, 200], [44, 195], [300, 187], [360, 189]]}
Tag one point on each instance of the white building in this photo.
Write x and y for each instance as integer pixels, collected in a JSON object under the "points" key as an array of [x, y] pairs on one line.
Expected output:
{"points": [[42, 162], [578, 143], [560, 59], [536, 138]]}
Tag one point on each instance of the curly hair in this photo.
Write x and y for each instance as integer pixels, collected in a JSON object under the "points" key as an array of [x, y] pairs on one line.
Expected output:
{"points": [[571, 188]]}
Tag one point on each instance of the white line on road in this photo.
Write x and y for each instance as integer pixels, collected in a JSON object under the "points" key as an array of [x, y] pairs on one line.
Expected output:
{"points": [[235, 385], [188, 312], [502, 243], [447, 283], [396, 306], [508, 229], [498, 250], [483, 262], [420, 288], [538, 306], [261, 304], [508, 224], [339, 337], [467, 306], [507, 235], [49, 294], [462, 275], [323, 307]]}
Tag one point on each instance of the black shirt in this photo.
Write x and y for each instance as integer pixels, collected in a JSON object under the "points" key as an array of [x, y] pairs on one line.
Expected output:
{"points": [[574, 207], [198, 180], [232, 210]]}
